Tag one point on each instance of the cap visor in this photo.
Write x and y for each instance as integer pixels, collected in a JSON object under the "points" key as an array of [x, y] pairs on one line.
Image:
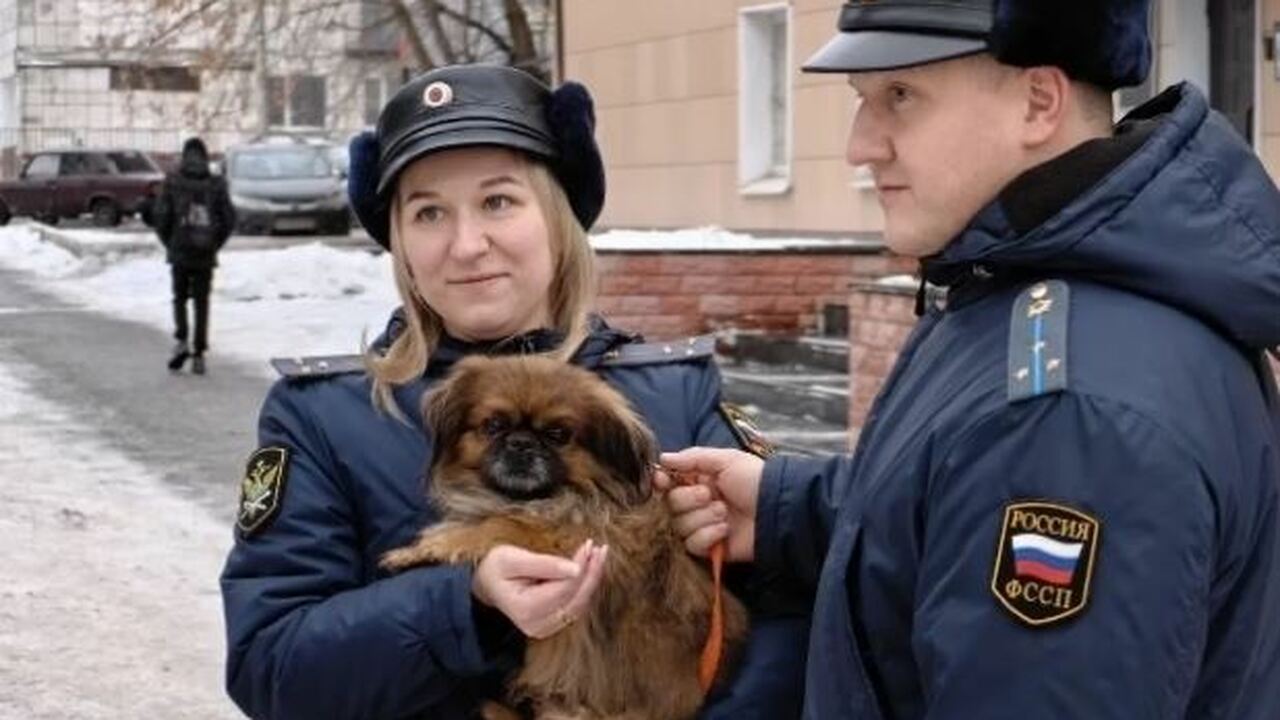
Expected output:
{"points": [[867, 50], [461, 135]]}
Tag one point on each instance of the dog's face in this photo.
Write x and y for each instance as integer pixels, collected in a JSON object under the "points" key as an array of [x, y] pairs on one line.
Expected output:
{"points": [[533, 428]]}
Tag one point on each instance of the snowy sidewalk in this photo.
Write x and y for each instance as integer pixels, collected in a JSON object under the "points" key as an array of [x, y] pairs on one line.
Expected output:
{"points": [[118, 480], [109, 603]]}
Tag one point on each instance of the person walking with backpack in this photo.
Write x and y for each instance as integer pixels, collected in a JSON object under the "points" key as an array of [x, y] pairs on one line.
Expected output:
{"points": [[193, 218]]}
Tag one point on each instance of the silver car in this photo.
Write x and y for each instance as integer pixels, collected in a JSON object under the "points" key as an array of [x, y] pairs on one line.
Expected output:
{"points": [[287, 187]]}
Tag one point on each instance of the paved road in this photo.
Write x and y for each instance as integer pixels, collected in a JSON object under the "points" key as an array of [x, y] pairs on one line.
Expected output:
{"points": [[195, 432]]}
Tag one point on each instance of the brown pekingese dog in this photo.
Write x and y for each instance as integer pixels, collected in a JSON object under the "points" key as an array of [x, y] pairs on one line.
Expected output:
{"points": [[544, 455]]}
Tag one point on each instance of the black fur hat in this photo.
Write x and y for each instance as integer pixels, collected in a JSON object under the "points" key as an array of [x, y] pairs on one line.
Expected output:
{"points": [[195, 145], [1103, 42], [478, 105]]}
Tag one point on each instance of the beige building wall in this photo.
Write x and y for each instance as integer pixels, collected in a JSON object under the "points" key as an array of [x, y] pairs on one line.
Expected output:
{"points": [[666, 80], [665, 77], [1269, 120], [1182, 18]]}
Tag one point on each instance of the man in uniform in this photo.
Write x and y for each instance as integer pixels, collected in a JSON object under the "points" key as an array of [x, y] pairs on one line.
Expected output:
{"points": [[1064, 501]]}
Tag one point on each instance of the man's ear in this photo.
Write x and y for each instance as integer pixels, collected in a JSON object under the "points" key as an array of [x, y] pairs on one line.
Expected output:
{"points": [[1049, 94]]}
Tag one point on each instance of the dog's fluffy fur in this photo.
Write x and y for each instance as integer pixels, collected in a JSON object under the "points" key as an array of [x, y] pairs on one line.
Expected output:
{"points": [[543, 455]]}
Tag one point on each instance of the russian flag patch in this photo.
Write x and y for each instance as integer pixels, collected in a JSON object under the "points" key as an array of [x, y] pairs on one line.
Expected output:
{"points": [[1045, 560]]}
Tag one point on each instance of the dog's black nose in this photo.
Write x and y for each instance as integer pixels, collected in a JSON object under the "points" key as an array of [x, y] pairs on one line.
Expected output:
{"points": [[521, 441]]}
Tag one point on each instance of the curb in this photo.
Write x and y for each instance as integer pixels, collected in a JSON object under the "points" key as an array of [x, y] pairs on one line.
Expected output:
{"points": [[68, 241]]}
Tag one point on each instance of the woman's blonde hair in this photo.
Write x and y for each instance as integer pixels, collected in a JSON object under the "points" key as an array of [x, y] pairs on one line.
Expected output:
{"points": [[572, 292]]}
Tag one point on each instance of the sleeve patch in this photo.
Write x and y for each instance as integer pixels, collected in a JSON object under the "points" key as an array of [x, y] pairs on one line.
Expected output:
{"points": [[1044, 562], [262, 489], [745, 430]]}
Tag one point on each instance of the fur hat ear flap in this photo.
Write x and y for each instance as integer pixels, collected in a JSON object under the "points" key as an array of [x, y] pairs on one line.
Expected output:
{"points": [[362, 185], [1103, 42], [571, 115]]}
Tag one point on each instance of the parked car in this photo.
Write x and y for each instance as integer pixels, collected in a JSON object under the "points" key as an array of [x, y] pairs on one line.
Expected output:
{"points": [[287, 186], [107, 184]]}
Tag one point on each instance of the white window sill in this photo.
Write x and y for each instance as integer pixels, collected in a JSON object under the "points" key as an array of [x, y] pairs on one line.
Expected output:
{"points": [[766, 186]]}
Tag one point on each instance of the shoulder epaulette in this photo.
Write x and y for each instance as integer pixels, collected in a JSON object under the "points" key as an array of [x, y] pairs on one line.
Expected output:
{"points": [[1038, 341], [319, 366], [693, 348]]}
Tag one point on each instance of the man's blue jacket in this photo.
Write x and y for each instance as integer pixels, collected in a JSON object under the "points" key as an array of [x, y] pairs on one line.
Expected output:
{"points": [[1064, 501]]}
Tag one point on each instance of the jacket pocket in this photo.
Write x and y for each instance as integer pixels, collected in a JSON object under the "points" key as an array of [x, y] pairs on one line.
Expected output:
{"points": [[837, 685]]}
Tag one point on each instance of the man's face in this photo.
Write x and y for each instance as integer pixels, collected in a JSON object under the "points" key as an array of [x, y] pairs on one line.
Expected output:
{"points": [[941, 141]]}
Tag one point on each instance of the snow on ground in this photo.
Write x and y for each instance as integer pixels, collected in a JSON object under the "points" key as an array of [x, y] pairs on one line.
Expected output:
{"points": [[712, 239], [109, 604], [299, 300]]}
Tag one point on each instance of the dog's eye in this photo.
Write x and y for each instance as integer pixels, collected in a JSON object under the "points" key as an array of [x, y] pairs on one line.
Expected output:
{"points": [[557, 434], [495, 426]]}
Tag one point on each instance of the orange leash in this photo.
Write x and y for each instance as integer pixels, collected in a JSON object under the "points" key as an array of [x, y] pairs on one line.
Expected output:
{"points": [[709, 663], [713, 649]]}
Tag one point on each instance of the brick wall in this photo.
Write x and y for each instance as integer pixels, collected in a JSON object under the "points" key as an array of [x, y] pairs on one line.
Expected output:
{"points": [[880, 318], [672, 294]]}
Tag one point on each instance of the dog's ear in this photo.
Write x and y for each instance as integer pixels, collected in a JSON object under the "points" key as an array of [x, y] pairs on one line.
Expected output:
{"points": [[620, 440], [444, 411]]}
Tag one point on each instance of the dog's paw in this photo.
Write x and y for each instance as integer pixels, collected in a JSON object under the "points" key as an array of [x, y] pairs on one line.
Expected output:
{"points": [[493, 711], [443, 544], [423, 552], [403, 559]]}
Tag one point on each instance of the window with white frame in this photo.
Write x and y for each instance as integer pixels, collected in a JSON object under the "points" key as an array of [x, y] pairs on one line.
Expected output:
{"points": [[764, 99], [296, 101]]}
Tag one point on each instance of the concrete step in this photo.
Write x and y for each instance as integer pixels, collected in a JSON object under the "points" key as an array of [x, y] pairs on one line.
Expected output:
{"points": [[793, 391], [798, 435], [795, 388], [830, 354]]}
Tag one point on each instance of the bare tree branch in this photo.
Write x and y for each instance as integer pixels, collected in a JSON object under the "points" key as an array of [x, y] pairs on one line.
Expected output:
{"points": [[195, 13], [432, 8], [420, 51], [523, 52], [475, 24]]}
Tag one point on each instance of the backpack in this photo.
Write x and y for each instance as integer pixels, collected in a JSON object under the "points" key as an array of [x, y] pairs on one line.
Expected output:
{"points": [[193, 227]]}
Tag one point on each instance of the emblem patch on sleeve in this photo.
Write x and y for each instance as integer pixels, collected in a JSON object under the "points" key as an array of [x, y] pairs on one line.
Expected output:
{"points": [[1045, 561], [262, 489], [745, 430]]}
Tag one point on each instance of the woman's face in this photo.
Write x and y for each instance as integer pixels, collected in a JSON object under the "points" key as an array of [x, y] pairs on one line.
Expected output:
{"points": [[476, 241]]}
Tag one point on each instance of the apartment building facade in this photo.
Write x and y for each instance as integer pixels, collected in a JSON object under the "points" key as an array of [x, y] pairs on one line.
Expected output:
{"points": [[145, 74]]}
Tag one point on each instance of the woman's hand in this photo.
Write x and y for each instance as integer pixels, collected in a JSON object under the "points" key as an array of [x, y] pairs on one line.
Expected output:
{"points": [[721, 505], [540, 594]]}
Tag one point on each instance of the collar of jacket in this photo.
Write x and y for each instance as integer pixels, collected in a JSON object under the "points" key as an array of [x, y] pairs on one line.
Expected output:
{"points": [[600, 340], [1028, 201]]}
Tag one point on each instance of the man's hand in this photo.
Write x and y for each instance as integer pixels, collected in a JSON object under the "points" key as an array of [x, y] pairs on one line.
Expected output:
{"points": [[720, 505], [540, 594]]}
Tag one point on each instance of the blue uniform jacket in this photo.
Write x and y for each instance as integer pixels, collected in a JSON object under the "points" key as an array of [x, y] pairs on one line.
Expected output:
{"points": [[316, 630], [1065, 511]]}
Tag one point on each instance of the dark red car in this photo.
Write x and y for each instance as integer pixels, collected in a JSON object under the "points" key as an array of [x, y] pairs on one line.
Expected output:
{"points": [[107, 184]]}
